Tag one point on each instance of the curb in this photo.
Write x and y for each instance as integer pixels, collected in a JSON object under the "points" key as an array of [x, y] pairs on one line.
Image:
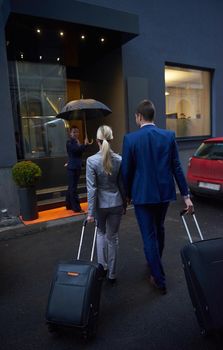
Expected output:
{"points": [[13, 228], [18, 229]]}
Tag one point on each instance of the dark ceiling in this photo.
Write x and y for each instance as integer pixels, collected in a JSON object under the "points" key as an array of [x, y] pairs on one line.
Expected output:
{"points": [[25, 43]]}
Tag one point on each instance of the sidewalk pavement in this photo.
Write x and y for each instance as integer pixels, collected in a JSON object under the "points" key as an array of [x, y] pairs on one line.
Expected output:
{"points": [[13, 227]]}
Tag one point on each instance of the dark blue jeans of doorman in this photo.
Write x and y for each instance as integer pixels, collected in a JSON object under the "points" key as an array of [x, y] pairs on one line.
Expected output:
{"points": [[72, 198]]}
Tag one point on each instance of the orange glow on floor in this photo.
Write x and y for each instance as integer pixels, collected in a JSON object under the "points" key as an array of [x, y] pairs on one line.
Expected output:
{"points": [[54, 214]]}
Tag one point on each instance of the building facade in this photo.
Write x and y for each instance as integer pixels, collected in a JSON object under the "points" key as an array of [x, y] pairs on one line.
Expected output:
{"points": [[117, 52]]}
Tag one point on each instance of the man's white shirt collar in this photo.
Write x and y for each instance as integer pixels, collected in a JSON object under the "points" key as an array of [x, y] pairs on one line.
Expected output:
{"points": [[144, 124]]}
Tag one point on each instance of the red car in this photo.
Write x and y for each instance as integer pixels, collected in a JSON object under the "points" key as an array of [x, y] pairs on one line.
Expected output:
{"points": [[205, 169]]}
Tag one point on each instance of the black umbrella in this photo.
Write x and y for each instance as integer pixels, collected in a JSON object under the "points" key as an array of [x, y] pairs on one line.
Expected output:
{"points": [[84, 108]]}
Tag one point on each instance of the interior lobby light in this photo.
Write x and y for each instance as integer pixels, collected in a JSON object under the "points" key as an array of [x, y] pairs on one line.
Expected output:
{"points": [[61, 33], [58, 58], [21, 55], [38, 30], [82, 36], [102, 40], [40, 57]]}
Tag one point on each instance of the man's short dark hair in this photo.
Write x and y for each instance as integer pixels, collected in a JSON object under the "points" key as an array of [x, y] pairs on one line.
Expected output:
{"points": [[147, 109]]}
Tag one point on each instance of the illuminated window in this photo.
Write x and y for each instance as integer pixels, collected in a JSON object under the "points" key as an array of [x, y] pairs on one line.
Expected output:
{"points": [[187, 93]]}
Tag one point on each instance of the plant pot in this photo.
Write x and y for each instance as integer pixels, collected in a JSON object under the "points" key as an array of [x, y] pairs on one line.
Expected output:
{"points": [[28, 203]]}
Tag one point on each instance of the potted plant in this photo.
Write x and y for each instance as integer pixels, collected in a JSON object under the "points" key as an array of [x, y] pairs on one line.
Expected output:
{"points": [[26, 174]]}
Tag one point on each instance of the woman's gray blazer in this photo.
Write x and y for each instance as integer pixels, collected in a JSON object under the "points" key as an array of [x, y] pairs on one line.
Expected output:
{"points": [[104, 191]]}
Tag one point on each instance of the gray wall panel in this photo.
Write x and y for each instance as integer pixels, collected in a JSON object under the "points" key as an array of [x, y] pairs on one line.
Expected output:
{"points": [[137, 90], [7, 142], [8, 193]]}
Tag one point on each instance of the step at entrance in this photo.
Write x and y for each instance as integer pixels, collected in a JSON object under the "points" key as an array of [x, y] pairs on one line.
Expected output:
{"points": [[54, 197]]}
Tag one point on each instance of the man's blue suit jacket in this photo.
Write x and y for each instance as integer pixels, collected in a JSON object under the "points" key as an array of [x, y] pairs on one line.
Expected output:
{"points": [[150, 162]]}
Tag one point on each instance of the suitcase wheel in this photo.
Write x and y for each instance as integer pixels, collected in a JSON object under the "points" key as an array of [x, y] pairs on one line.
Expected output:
{"points": [[206, 333], [91, 329], [52, 328], [89, 333]]}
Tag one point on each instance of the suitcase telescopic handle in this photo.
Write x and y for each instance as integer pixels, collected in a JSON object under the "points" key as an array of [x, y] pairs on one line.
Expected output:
{"points": [[82, 236], [182, 214]]}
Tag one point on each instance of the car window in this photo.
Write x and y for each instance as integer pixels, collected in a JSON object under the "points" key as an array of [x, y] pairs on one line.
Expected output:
{"points": [[210, 151]]}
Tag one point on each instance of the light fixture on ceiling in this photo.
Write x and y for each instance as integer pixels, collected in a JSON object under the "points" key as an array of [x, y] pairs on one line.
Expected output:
{"points": [[58, 59], [21, 55], [38, 31], [40, 57], [61, 34], [102, 40], [82, 37]]}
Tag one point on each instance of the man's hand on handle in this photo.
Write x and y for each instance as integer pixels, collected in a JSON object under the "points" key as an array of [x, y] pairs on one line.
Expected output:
{"points": [[189, 205]]}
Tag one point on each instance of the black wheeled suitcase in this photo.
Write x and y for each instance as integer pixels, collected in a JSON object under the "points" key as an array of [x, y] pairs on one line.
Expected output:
{"points": [[203, 268], [74, 296]]}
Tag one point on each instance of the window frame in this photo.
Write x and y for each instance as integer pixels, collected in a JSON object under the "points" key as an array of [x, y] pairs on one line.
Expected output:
{"points": [[197, 68]]}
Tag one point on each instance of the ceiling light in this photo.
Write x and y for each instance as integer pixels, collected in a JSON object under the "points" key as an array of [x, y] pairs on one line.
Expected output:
{"points": [[82, 36], [61, 33], [58, 58], [21, 55], [38, 30], [40, 57], [102, 40]]}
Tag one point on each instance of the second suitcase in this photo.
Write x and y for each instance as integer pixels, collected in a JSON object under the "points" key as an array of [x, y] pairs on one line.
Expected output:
{"points": [[203, 267], [75, 293]]}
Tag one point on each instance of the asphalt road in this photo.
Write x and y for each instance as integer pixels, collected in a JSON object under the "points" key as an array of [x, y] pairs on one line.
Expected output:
{"points": [[132, 315]]}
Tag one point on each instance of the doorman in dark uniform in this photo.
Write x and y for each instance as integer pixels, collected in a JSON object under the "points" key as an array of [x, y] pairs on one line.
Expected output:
{"points": [[75, 151]]}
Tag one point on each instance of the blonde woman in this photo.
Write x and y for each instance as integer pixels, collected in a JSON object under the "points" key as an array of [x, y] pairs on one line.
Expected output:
{"points": [[106, 200]]}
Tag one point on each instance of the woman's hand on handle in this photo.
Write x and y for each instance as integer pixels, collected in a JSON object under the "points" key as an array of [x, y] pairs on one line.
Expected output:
{"points": [[90, 218]]}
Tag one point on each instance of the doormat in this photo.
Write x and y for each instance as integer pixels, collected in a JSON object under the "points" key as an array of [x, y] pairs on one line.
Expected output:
{"points": [[55, 214]]}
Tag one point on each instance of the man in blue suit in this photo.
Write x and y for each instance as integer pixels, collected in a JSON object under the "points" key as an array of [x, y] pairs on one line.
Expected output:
{"points": [[150, 163]]}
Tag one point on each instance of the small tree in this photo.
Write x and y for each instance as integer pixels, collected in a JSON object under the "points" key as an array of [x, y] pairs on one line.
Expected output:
{"points": [[26, 173]]}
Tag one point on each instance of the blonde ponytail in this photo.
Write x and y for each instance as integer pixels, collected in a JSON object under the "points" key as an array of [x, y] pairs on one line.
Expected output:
{"points": [[104, 134]]}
